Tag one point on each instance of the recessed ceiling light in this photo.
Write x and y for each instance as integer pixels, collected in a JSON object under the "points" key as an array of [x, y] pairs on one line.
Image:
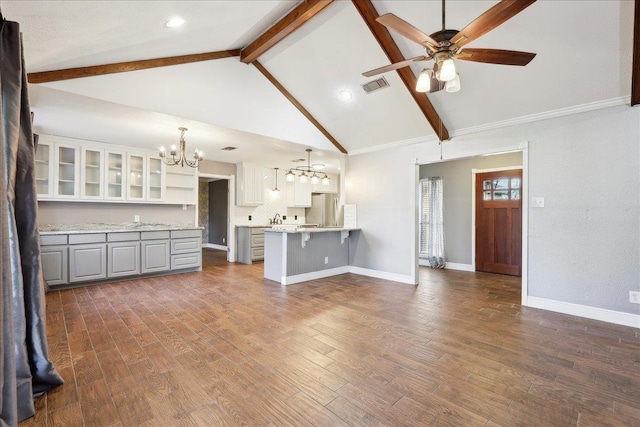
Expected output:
{"points": [[346, 95], [174, 22]]}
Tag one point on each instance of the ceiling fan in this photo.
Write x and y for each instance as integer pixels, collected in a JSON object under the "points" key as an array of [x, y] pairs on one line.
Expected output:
{"points": [[445, 45]]}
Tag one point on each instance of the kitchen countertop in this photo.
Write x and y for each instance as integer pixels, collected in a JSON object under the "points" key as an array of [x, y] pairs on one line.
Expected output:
{"points": [[254, 226], [310, 229], [49, 229]]}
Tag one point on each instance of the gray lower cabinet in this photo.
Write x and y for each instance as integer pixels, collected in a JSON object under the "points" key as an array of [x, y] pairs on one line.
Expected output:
{"points": [[186, 249], [155, 255], [123, 259], [87, 262], [54, 264], [250, 243], [87, 257]]}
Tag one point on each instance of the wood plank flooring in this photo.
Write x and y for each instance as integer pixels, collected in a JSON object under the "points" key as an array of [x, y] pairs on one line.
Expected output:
{"points": [[226, 347]]}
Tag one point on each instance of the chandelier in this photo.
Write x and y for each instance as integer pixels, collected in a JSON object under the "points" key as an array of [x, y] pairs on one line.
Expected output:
{"points": [[182, 158], [306, 173]]}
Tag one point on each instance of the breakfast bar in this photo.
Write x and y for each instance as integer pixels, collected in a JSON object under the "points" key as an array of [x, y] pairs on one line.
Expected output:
{"points": [[295, 254]]}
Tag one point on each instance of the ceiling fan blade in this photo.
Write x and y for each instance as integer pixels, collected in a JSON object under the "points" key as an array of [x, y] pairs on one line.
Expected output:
{"points": [[496, 56], [394, 66], [489, 20], [407, 30]]}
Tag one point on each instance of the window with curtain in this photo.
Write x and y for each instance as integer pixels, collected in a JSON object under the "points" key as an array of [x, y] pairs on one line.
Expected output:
{"points": [[432, 221]]}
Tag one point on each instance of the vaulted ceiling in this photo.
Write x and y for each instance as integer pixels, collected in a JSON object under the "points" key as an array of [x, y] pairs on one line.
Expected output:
{"points": [[288, 97]]}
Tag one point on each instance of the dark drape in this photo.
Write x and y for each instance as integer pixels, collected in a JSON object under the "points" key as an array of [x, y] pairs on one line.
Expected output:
{"points": [[25, 367]]}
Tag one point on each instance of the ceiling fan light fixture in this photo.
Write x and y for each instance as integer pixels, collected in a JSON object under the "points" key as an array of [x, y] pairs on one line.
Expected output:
{"points": [[453, 85], [424, 81], [447, 70]]}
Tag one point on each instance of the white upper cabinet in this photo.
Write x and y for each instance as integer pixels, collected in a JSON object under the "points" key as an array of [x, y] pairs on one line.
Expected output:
{"points": [[92, 173], [86, 171], [250, 185], [155, 179], [115, 175], [44, 169], [67, 171], [299, 194], [332, 188], [136, 177]]}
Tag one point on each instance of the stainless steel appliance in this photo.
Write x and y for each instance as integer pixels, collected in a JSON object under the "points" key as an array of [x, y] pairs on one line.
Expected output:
{"points": [[324, 211]]}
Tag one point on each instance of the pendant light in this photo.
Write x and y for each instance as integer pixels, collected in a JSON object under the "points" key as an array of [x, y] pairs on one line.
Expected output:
{"points": [[306, 173]]}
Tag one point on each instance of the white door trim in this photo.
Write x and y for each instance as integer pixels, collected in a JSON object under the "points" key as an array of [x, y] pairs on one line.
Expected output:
{"points": [[231, 200]]}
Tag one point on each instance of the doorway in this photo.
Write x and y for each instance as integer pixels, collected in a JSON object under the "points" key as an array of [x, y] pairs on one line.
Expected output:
{"points": [[215, 213], [459, 174], [498, 220]]}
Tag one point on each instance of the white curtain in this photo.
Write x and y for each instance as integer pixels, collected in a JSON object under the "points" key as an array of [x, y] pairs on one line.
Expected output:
{"points": [[432, 222]]}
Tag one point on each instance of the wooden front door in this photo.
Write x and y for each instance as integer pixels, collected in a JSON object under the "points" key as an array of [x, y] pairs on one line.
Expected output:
{"points": [[499, 222]]}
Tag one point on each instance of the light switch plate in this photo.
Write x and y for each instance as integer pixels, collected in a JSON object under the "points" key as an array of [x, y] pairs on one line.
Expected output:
{"points": [[538, 202]]}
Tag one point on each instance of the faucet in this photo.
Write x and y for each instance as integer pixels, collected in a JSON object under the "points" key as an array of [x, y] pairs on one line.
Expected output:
{"points": [[276, 219]]}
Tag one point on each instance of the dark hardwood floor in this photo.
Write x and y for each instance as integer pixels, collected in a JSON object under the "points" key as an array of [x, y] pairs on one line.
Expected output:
{"points": [[226, 347]]}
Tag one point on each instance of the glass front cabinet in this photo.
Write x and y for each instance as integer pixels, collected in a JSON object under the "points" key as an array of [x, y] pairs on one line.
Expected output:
{"points": [[92, 174], [115, 175], [66, 174], [155, 179], [136, 177], [87, 171], [44, 170]]}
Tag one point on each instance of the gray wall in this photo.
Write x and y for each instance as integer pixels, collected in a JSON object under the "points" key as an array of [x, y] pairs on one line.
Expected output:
{"points": [[583, 246], [457, 196], [218, 208], [57, 212]]}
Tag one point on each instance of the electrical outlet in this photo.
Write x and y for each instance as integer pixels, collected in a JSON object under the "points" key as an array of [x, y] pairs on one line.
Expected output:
{"points": [[326, 260], [634, 297], [284, 217], [295, 217], [136, 218], [538, 202], [249, 217], [224, 240]]}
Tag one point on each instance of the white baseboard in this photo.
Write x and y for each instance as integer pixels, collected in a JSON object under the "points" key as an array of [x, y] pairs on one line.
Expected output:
{"points": [[448, 265], [617, 317], [213, 246], [382, 275], [458, 266], [320, 274]]}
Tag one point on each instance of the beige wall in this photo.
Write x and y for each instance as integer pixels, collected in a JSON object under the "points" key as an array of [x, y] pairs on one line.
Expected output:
{"points": [[217, 168], [50, 212]]}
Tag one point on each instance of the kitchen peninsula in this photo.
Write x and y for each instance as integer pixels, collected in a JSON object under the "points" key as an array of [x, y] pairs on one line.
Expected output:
{"points": [[297, 254], [73, 254]]}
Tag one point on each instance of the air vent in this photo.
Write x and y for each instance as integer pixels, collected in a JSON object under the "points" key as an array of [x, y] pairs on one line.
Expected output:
{"points": [[374, 85], [229, 148]]}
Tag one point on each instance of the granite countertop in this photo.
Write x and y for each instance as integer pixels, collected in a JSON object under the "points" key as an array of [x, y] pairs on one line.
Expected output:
{"points": [[47, 229], [309, 229]]}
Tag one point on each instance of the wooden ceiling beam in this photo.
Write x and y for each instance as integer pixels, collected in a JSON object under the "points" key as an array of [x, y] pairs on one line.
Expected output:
{"points": [[121, 67], [635, 71], [391, 49], [299, 106], [299, 16]]}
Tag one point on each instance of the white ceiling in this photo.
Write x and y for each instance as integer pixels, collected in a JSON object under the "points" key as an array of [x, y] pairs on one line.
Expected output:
{"points": [[584, 55]]}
